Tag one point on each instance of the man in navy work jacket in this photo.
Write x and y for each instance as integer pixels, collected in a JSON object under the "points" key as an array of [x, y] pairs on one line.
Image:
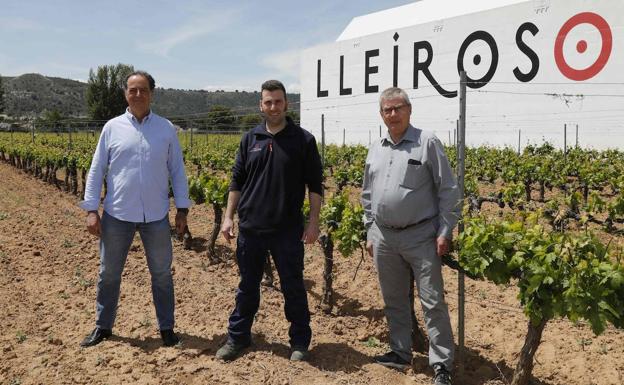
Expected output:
{"points": [[138, 153], [275, 162], [411, 204]]}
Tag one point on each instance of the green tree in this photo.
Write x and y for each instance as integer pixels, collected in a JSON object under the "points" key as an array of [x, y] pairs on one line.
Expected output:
{"points": [[249, 121], [50, 119], [220, 118], [2, 106], [105, 96], [294, 115]]}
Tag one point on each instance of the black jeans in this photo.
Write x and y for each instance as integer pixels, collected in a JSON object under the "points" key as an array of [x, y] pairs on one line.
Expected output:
{"points": [[252, 251]]}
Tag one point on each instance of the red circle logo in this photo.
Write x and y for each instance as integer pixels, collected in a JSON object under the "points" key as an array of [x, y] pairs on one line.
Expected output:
{"points": [[607, 44]]}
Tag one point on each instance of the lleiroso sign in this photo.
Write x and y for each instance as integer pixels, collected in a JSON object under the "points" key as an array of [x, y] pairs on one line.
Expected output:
{"points": [[532, 67]]}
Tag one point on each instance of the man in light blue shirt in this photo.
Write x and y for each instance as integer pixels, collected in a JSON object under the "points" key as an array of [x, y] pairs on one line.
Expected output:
{"points": [[138, 153]]}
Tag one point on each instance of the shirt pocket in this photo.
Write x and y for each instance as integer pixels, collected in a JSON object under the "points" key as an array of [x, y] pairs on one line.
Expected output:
{"points": [[416, 176]]}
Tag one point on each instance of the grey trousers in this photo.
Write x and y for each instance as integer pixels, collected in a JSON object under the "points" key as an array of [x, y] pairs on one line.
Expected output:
{"points": [[394, 253]]}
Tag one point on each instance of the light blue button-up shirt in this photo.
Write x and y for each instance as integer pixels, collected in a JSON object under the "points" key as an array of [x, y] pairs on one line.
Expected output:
{"points": [[137, 159]]}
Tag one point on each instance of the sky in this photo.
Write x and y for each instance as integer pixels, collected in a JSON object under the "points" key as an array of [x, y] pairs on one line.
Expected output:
{"points": [[185, 44]]}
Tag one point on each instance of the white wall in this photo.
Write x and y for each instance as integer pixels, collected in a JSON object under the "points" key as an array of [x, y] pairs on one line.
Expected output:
{"points": [[495, 112]]}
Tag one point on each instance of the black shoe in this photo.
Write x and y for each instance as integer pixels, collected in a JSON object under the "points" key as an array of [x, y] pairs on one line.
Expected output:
{"points": [[97, 335], [169, 337], [392, 360], [299, 353], [230, 351], [441, 376]]}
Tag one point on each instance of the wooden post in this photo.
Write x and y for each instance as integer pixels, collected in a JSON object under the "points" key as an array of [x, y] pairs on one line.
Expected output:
{"points": [[461, 173], [323, 139], [565, 140], [191, 128]]}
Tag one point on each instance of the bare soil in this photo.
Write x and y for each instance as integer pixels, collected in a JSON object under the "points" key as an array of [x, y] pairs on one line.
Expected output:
{"points": [[48, 270]]}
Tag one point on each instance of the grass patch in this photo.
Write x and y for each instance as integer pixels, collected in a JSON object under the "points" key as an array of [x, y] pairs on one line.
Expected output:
{"points": [[81, 280], [372, 342], [20, 336], [146, 322]]}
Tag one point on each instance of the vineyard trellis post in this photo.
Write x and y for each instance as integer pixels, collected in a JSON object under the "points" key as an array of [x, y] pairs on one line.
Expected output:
{"points": [[186, 134], [69, 130], [565, 139], [519, 136], [323, 140], [32, 132], [576, 144], [461, 156], [191, 128], [344, 136]]}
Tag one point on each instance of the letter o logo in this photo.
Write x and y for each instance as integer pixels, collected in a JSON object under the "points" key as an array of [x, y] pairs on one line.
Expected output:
{"points": [[607, 44], [489, 40]]}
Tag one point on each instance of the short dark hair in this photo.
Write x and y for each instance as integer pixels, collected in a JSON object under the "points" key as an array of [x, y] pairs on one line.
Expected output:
{"points": [[273, 85], [150, 79]]}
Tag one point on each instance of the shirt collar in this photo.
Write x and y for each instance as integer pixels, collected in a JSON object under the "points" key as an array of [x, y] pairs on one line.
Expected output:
{"points": [[286, 131], [133, 118], [411, 135]]}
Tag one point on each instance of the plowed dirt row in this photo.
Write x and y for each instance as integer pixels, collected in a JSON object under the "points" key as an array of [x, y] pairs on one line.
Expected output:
{"points": [[48, 270]]}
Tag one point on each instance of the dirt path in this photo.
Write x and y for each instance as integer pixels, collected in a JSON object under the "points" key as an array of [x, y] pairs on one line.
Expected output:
{"points": [[48, 269]]}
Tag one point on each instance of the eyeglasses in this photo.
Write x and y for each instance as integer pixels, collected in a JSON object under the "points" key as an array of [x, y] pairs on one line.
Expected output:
{"points": [[387, 111]]}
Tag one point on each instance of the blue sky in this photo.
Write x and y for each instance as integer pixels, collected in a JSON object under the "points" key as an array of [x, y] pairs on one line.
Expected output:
{"points": [[184, 44]]}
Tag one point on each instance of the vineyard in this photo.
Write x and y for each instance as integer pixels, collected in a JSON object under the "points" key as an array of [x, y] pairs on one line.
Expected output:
{"points": [[542, 247]]}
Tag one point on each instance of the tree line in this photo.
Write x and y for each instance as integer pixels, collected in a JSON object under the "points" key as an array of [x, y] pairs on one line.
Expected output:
{"points": [[56, 104]]}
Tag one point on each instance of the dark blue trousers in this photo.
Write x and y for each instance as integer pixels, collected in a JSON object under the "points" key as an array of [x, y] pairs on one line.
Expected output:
{"points": [[252, 251]]}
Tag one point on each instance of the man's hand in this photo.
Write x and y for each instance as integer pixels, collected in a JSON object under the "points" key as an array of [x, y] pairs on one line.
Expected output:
{"points": [[180, 223], [443, 246], [93, 223], [227, 229], [369, 248], [311, 232]]}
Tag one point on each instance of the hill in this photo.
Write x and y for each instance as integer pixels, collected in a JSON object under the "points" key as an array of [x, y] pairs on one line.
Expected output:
{"points": [[31, 94]]}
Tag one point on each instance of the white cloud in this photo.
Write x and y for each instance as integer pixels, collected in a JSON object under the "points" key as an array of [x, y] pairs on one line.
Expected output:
{"points": [[194, 28], [228, 87], [19, 24], [69, 69], [286, 63], [294, 88]]}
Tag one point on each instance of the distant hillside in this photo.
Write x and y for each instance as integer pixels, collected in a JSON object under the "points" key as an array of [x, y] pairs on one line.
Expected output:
{"points": [[31, 94]]}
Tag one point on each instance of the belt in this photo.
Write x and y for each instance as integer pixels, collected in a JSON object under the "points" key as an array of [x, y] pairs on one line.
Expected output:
{"points": [[408, 226]]}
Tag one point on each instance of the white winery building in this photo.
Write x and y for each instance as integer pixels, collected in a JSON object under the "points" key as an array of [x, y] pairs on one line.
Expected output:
{"points": [[533, 67]]}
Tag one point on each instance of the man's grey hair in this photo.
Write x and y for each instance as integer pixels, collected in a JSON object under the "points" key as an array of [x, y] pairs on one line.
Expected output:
{"points": [[391, 93], [150, 79]]}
